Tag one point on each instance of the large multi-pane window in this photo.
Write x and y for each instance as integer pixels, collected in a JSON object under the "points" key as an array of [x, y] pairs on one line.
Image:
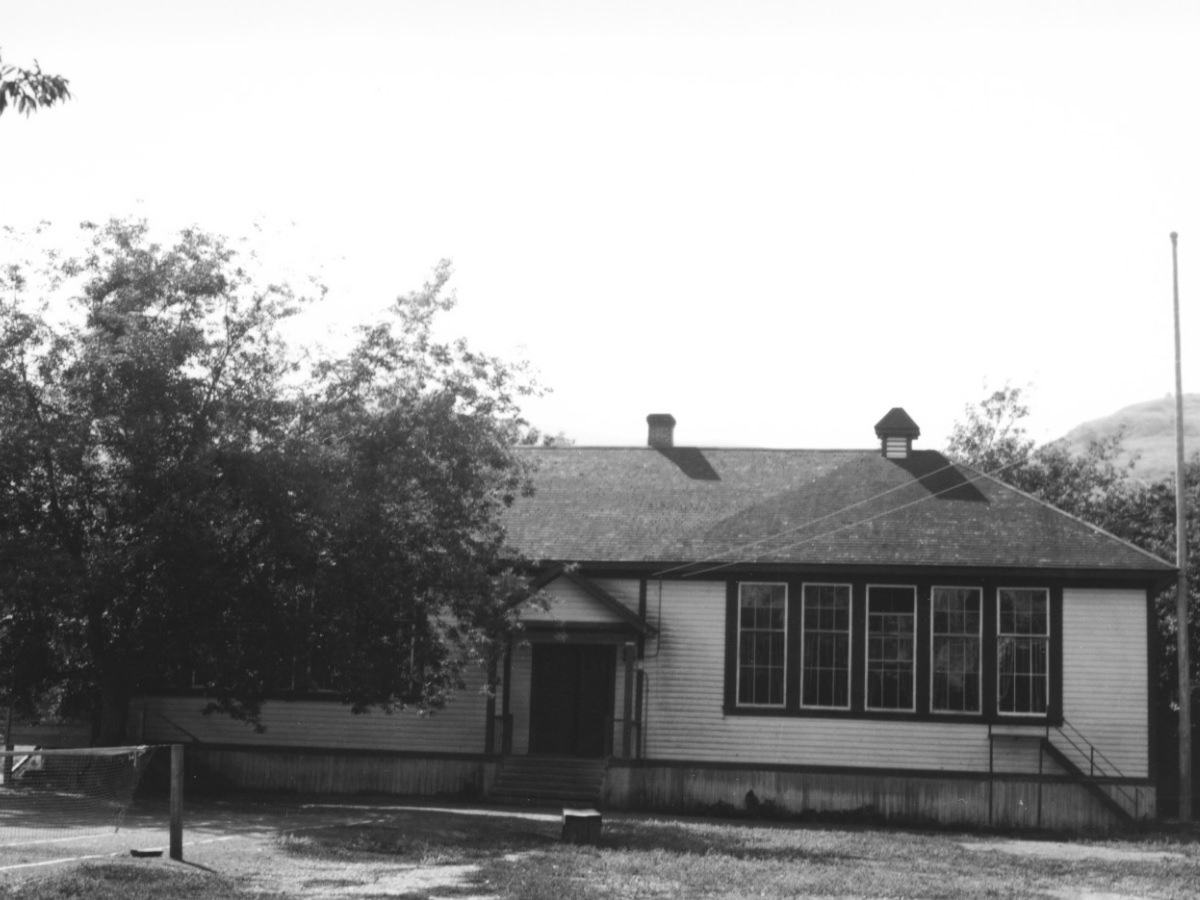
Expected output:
{"points": [[828, 648], [956, 641], [762, 644], [825, 678], [891, 648], [1023, 650]]}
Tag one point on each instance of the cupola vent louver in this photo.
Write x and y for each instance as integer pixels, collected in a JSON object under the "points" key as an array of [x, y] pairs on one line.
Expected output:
{"points": [[896, 431]]}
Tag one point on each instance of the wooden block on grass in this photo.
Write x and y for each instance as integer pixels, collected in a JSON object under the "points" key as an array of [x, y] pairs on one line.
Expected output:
{"points": [[581, 826]]}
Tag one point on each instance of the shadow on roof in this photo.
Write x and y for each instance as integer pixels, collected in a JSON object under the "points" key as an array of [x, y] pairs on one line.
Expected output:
{"points": [[940, 477], [691, 462]]}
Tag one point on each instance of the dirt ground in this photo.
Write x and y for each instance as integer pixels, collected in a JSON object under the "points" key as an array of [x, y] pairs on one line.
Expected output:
{"points": [[246, 842], [241, 841]]}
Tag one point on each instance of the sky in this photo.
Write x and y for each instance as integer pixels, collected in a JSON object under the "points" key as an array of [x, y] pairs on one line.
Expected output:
{"points": [[773, 220]]}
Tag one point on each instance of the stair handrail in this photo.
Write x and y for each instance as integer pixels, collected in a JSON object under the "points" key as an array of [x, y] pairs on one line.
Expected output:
{"points": [[1090, 754]]}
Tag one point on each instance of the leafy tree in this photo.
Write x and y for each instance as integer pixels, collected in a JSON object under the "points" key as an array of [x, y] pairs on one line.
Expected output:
{"points": [[1094, 485], [184, 499], [535, 437], [1099, 490], [30, 89]]}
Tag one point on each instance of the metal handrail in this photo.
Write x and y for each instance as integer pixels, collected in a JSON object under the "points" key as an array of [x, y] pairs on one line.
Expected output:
{"points": [[1091, 753]]}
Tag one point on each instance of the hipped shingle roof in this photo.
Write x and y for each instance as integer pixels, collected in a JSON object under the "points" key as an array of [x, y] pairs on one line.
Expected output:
{"points": [[805, 507]]}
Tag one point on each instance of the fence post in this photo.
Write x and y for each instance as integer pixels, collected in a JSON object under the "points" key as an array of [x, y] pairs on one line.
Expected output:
{"points": [[177, 801]]}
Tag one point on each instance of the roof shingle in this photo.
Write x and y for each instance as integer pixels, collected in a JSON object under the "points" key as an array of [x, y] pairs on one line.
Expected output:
{"points": [[844, 507]]}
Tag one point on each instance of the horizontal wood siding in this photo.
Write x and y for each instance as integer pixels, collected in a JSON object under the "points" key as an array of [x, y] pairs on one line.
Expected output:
{"points": [[572, 604], [333, 773], [1104, 675], [457, 728], [76, 734], [685, 696], [623, 590]]}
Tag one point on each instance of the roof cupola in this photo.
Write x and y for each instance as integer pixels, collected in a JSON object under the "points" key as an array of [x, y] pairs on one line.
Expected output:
{"points": [[896, 431]]}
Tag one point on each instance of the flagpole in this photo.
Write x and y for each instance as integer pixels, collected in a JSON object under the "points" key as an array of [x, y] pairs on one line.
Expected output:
{"points": [[1182, 632]]}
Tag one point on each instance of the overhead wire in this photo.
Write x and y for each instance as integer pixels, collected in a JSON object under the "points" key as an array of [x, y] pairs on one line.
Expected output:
{"points": [[771, 537], [808, 539]]}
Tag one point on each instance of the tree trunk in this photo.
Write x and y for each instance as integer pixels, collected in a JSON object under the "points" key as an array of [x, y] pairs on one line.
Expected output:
{"points": [[112, 713]]}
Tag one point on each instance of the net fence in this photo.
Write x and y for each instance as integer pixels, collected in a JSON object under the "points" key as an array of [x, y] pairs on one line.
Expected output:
{"points": [[53, 795]]}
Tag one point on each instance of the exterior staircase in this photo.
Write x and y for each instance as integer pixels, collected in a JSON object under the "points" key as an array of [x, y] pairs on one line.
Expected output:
{"points": [[549, 781], [1124, 815], [1084, 764]]}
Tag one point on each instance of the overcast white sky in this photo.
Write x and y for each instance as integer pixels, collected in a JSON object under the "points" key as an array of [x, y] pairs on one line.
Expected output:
{"points": [[775, 220]]}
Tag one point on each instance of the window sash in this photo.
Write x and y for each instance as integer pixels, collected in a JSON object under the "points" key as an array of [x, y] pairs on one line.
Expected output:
{"points": [[762, 644], [891, 680], [825, 646], [1023, 651], [956, 645]]}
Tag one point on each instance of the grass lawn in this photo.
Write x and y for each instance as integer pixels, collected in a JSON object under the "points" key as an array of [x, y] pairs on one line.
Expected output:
{"points": [[421, 854]]}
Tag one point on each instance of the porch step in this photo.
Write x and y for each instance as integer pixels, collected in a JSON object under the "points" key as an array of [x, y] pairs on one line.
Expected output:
{"points": [[552, 780]]}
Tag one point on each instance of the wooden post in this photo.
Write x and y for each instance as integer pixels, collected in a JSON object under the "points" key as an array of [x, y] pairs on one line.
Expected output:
{"points": [[1041, 759], [9, 746], [506, 736], [991, 774], [489, 727], [177, 801], [630, 656], [581, 826]]}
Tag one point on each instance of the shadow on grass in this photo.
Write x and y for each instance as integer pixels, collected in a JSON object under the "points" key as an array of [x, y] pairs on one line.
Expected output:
{"points": [[124, 881], [427, 838], [741, 840], [432, 838]]}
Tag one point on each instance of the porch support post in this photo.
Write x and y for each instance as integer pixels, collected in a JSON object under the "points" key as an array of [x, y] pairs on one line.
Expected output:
{"points": [[506, 739], [489, 727], [629, 653]]}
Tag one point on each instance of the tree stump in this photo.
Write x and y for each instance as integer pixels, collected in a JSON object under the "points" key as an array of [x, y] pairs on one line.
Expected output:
{"points": [[581, 826]]}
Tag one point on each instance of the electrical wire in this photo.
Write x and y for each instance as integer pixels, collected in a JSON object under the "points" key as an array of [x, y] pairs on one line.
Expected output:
{"points": [[771, 537], [854, 524]]}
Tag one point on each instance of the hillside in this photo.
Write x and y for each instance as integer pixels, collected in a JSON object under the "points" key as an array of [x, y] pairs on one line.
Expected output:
{"points": [[1149, 433]]}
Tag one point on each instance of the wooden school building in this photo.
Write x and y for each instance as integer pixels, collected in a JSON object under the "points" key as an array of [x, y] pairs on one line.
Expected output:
{"points": [[877, 631]]}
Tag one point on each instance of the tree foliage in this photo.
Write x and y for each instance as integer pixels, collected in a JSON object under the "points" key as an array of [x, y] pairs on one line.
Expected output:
{"points": [[1094, 485], [29, 89], [183, 500], [1098, 489]]}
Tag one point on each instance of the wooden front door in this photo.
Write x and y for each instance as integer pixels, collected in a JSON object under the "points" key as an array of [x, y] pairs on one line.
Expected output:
{"points": [[571, 699]]}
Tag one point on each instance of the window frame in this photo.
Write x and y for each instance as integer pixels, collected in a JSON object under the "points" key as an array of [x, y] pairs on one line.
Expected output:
{"points": [[737, 688], [986, 584], [804, 586], [981, 616], [1047, 638], [913, 636]]}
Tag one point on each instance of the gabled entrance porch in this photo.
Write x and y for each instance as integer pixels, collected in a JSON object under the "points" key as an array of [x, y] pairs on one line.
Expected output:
{"points": [[567, 693]]}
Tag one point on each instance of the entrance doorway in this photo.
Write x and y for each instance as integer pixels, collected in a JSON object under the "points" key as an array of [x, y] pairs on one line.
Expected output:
{"points": [[571, 698]]}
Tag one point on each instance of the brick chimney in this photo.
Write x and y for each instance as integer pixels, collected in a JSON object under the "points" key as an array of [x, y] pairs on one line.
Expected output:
{"points": [[662, 430], [896, 431]]}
